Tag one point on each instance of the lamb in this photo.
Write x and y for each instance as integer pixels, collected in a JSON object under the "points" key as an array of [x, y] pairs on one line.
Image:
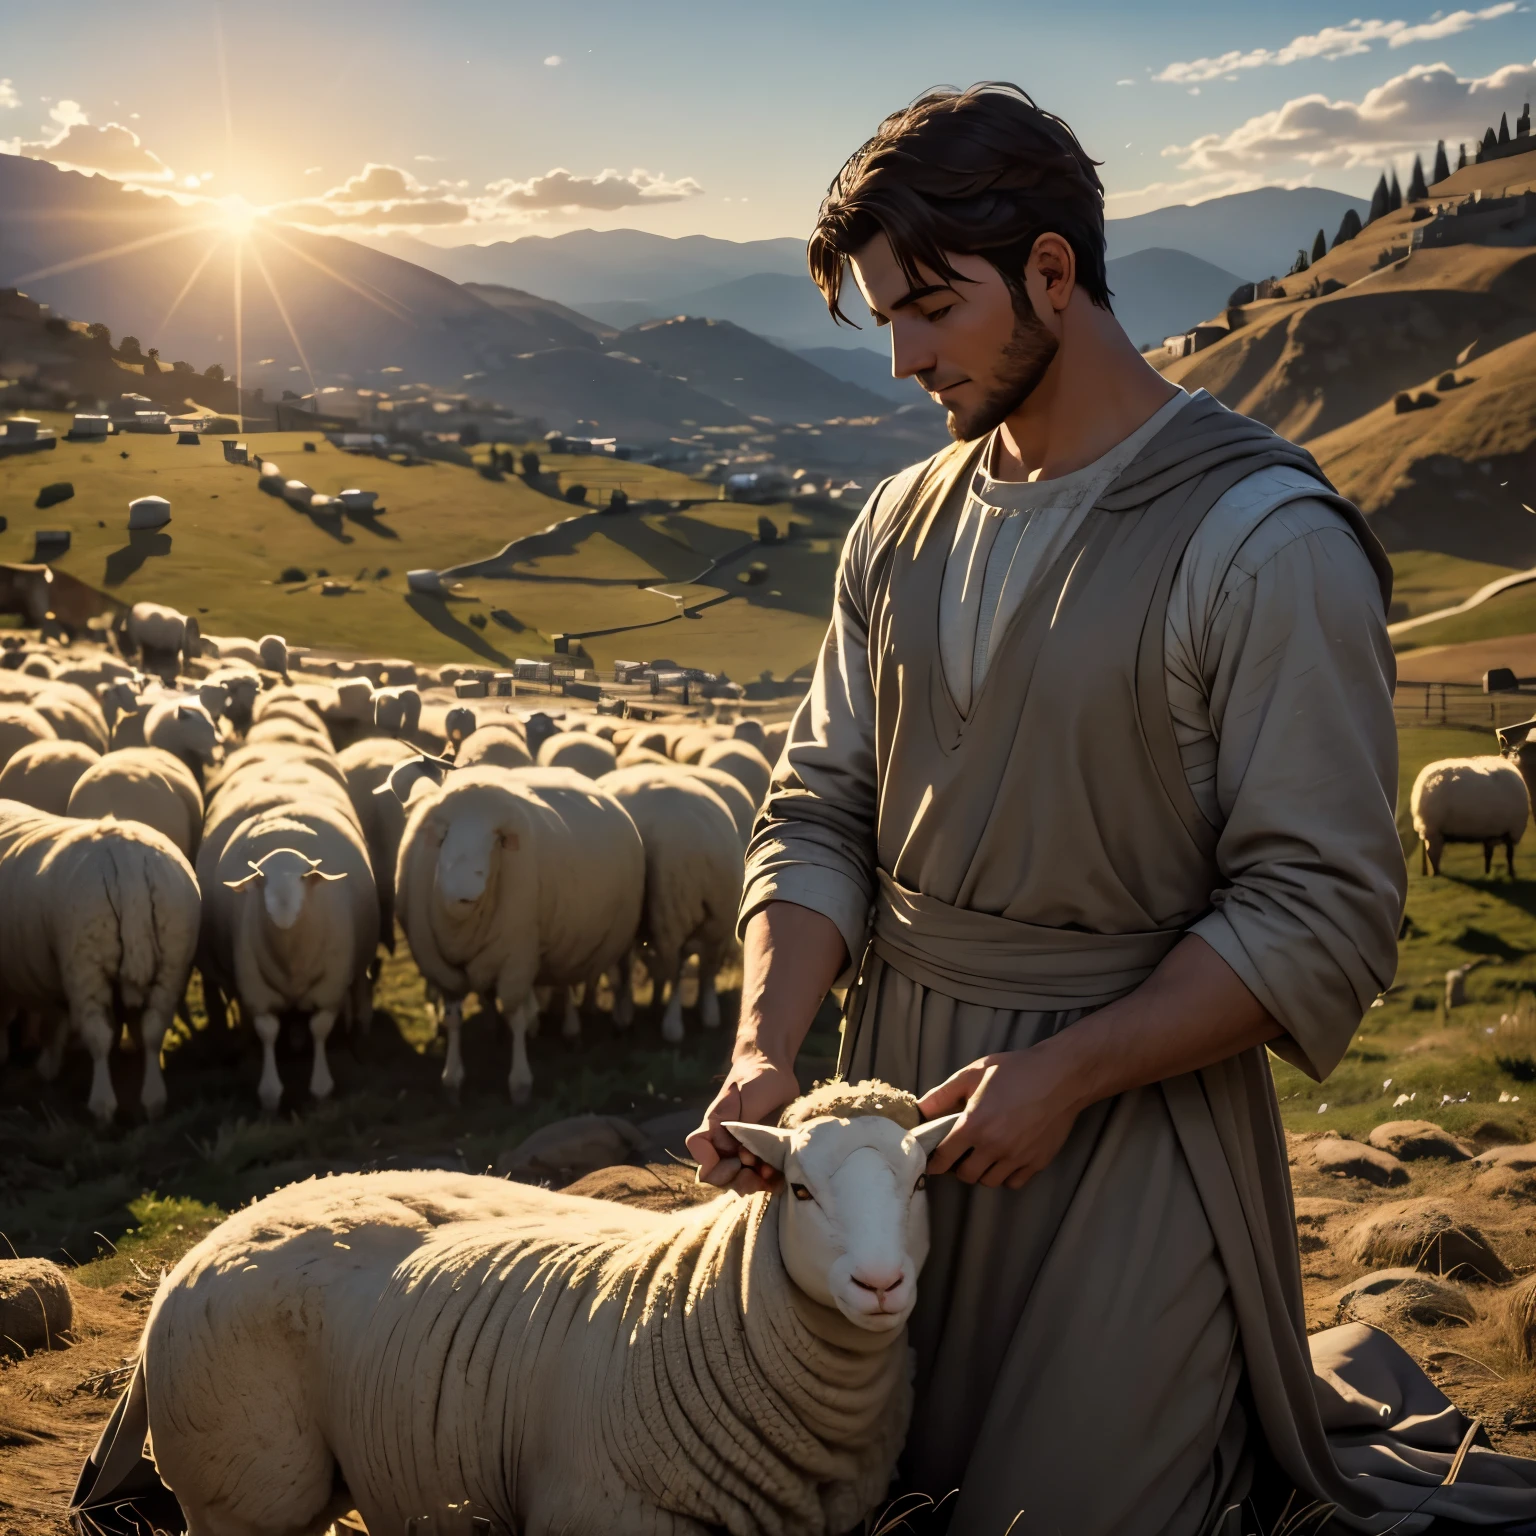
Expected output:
{"points": [[146, 785], [493, 746], [367, 765], [440, 1348], [43, 773], [292, 918], [1469, 800], [585, 754], [182, 727], [157, 634], [693, 875], [742, 761], [95, 916], [507, 880], [20, 726]]}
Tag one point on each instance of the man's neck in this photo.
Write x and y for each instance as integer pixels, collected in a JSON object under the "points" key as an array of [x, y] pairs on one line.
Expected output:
{"points": [[1096, 392]]}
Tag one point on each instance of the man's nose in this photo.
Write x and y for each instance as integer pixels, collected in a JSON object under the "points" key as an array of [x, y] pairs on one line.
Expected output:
{"points": [[910, 355]]}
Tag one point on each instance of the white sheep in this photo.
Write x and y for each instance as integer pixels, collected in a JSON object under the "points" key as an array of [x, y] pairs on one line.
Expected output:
{"points": [[291, 921], [147, 785], [273, 651], [737, 801], [493, 746], [157, 633], [43, 773], [73, 713], [507, 880], [397, 710], [287, 727], [97, 919], [441, 1349], [590, 756], [367, 765], [20, 726], [459, 723], [240, 690], [1469, 800], [742, 761], [182, 727], [693, 874], [232, 648]]}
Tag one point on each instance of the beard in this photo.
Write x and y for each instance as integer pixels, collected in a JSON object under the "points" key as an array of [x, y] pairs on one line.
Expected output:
{"points": [[1025, 357]]}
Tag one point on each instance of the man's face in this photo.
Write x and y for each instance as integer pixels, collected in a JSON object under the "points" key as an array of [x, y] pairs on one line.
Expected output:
{"points": [[977, 353]]}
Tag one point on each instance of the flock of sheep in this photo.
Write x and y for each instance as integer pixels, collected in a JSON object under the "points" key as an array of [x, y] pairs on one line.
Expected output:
{"points": [[1481, 800], [203, 802]]}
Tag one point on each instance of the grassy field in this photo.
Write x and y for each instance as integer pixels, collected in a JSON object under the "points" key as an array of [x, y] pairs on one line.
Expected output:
{"points": [[228, 546], [1510, 613], [1425, 580]]}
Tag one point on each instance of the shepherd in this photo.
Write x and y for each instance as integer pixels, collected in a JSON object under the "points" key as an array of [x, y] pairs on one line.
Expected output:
{"points": [[1091, 804]]}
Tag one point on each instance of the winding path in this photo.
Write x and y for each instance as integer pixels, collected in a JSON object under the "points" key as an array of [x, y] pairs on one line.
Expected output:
{"points": [[1503, 584]]}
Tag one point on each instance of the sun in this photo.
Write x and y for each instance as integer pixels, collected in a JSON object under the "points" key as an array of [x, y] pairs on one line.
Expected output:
{"points": [[237, 216]]}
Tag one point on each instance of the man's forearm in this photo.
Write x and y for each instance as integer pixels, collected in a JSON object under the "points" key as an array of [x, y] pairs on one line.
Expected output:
{"points": [[791, 956]]}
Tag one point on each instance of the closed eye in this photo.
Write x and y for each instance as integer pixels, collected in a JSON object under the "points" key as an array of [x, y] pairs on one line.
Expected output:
{"points": [[801, 1192]]}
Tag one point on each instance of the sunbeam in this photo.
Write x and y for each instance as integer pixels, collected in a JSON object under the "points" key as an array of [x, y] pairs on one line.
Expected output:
{"points": [[186, 287], [388, 307], [282, 309], [129, 246]]}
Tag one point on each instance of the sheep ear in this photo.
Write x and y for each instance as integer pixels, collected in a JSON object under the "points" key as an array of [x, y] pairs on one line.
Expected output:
{"points": [[321, 874], [765, 1141], [240, 885], [930, 1134]]}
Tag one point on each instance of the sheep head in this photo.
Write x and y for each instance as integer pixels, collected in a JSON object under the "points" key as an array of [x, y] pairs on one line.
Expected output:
{"points": [[284, 876], [853, 1218], [476, 823]]}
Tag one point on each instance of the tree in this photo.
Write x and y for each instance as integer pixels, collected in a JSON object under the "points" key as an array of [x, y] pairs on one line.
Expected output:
{"points": [[576, 492], [1461, 157], [99, 334], [214, 372], [530, 463], [1417, 191], [128, 349], [1395, 196], [1349, 227], [1299, 265], [1503, 127], [1442, 165], [1319, 246], [181, 366], [1489, 143], [1381, 200], [152, 361]]}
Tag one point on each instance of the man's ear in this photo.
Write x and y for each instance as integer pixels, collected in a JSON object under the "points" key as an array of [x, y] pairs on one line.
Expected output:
{"points": [[1056, 262], [765, 1141], [932, 1132]]}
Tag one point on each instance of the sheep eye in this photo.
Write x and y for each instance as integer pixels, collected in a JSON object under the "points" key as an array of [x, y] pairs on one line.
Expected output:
{"points": [[801, 1192], [922, 1182]]}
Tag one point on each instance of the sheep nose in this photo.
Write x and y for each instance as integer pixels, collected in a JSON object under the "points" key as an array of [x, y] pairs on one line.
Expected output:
{"points": [[879, 1281]]}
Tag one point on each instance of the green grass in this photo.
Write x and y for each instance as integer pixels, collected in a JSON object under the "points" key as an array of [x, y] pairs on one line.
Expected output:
{"points": [[1510, 613], [1425, 579]]}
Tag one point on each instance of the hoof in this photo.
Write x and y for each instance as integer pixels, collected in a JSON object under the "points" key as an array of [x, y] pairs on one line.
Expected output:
{"points": [[672, 1031], [452, 1094], [521, 1092]]}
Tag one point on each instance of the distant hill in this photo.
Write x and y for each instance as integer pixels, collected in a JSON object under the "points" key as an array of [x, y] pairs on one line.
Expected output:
{"points": [[1158, 292], [1456, 325], [747, 372], [537, 311], [1254, 234], [870, 370]]}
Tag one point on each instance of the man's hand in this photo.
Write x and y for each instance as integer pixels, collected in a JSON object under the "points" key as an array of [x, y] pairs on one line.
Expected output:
{"points": [[755, 1089], [1018, 1113]]}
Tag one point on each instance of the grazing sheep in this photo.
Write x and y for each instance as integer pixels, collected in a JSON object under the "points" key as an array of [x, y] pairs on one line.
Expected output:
{"points": [[146, 785], [157, 634], [751, 731], [692, 745], [232, 648], [273, 651], [1469, 800], [284, 727], [508, 880], [43, 773], [631, 756], [97, 919], [585, 754], [185, 729], [493, 746], [73, 713], [397, 711], [742, 761], [20, 726], [291, 919], [459, 723], [428, 1347], [693, 874], [367, 765], [240, 691], [737, 801], [264, 756]]}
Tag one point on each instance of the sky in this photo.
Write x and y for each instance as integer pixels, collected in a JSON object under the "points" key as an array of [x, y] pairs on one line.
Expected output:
{"points": [[474, 120]]}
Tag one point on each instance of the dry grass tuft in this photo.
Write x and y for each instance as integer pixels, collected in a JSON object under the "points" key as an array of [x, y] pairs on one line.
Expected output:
{"points": [[1424, 1234], [1520, 1318]]}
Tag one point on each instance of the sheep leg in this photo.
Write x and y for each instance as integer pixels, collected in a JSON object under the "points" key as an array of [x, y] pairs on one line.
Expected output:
{"points": [[672, 1018], [321, 1084], [1509, 855], [570, 1023], [1434, 846], [520, 1078], [50, 1061], [96, 1030], [1487, 858], [153, 1025], [624, 993], [709, 997], [270, 1089], [450, 1022]]}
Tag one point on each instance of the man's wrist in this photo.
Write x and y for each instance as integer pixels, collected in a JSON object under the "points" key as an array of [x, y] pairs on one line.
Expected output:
{"points": [[1082, 1076], [761, 1040]]}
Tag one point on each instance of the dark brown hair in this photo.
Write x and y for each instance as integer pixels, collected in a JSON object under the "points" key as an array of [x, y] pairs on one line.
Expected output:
{"points": [[980, 172]]}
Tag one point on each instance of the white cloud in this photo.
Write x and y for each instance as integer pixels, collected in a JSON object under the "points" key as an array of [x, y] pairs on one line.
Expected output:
{"points": [[313, 170], [1408, 112], [554, 61], [1341, 42], [68, 114], [607, 190], [1125, 82], [8, 96], [379, 196], [111, 149]]}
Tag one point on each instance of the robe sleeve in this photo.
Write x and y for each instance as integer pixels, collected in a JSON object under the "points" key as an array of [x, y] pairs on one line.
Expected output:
{"points": [[1300, 674], [814, 841]]}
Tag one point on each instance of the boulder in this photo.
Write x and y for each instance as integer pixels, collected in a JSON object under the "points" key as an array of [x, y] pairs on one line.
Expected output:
{"points": [[1411, 1140], [1424, 1235], [1389, 1296], [571, 1147], [1354, 1160], [1518, 1159], [146, 512], [36, 1309]]}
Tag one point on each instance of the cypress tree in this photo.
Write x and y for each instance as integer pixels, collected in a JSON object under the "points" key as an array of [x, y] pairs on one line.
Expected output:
{"points": [[1380, 199], [1349, 227], [1504, 128], [1319, 246], [1442, 165], [1489, 144], [1461, 158], [1417, 191], [1395, 196]]}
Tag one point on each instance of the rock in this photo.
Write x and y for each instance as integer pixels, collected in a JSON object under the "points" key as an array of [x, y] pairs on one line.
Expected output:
{"points": [[1397, 1295], [571, 1147], [1424, 1235], [146, 512], [1517, 1159], [1410, 1140], [655, 1187], [36, 1309], [1356, 1160]]}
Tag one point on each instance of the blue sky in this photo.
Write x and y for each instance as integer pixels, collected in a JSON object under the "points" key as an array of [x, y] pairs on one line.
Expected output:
{"points": [[719, 118]]}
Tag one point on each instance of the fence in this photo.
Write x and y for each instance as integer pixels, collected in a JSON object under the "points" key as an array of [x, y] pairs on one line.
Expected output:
{"points": [[1460, 704]]}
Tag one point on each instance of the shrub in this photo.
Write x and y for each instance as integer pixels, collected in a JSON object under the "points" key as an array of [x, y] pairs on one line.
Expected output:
{"points": [[576, 492], [293, 573]]}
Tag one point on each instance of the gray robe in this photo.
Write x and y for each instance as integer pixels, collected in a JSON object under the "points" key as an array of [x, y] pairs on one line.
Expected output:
{"points": [[1094, 1349]]}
